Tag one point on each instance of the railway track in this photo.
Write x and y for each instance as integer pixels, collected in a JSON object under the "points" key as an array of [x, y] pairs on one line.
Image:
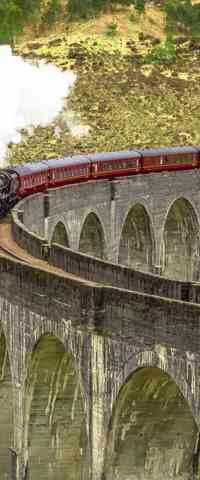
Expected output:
{"points": [[10, 249], [8, 253]]}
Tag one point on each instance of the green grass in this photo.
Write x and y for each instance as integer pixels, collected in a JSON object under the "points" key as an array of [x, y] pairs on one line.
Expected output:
{"points": [[126, 103]]}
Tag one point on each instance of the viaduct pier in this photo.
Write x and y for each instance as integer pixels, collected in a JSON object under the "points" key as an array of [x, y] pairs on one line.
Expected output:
{"points": [[100, 331]]}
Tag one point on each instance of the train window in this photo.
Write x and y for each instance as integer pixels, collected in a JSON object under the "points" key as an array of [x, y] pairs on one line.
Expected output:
{"points": [[105, 166], [182, 158], [129, 163], [117, 165], [83, 170], [110, 166]]}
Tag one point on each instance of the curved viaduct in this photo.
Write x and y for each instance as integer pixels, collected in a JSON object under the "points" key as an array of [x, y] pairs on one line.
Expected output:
{"points": [[100, 362]]}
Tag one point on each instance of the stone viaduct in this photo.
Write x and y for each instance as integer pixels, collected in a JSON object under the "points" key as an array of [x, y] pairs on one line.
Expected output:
{"points": [[100, 333]]}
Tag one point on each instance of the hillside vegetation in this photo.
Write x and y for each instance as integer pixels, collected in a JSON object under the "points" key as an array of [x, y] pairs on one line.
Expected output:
{"points": [[137, 71]]}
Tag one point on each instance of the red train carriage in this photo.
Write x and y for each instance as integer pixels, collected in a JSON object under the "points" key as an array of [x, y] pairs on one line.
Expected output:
{"points": [[68, 170], [174, 158], [32, 177], [36, 177], [113, 164]]}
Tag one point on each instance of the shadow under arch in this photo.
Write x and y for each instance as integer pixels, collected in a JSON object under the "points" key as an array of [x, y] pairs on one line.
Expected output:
{"points": [[152, 434], [180, 242], [136, 248], [60, 234], [92, 238], [55, 440], [6, 411]]}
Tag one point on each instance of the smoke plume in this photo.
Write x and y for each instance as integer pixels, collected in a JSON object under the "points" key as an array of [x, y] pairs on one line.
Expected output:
{"points": [[30, 95]]}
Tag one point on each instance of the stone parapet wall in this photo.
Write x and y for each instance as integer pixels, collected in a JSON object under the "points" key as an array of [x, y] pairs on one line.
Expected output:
{"points": [[104, 360], [97, 270], [26, 239], [110, 333]]}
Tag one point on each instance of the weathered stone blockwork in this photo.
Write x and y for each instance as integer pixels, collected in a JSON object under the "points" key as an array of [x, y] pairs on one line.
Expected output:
{"points": [[150, 222], [118, 370], [107, 335]]}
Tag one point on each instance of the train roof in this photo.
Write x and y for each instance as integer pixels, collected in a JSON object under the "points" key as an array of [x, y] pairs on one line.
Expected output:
{"points": [[95, 157], [63, 161], [28, 168], [168, 150], [36, 167], [114, 155]]}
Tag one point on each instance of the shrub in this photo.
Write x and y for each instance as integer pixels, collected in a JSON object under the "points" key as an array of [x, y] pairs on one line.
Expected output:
{"points": [[11, 22], [51, 12], [132, 17], [139, 5], [84, 8], [111, 29], [182, 13], [163, 53]]}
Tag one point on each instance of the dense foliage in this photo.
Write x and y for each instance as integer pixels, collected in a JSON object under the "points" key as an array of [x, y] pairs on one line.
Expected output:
{"points": [[14, 14], [183, 13]]}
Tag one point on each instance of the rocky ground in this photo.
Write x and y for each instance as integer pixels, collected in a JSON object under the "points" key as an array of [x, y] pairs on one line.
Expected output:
{"points": [[126, 102]]}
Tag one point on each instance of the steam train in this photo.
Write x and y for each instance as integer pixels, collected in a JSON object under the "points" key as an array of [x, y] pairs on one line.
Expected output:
{"points": [[17, 182]]}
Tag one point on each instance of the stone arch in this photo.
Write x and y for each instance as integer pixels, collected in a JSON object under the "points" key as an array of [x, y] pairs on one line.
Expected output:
{"points": [[136, 248], [6, 411], [152, 433], [55, 428], [92, 237], [60, 234], [180, 241]]}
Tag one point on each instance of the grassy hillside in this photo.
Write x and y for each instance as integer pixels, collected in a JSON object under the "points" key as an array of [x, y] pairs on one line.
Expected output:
{"points": [[127, 98]]}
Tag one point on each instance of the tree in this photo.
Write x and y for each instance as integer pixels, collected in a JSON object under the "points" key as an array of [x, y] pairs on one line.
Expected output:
{"points": [[182, 13], [29, 7], [85, 8], [11, 21]]}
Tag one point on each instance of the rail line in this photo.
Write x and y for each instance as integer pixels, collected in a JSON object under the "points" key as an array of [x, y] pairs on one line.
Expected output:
{"points": [[10, 249], [9, 253]]}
